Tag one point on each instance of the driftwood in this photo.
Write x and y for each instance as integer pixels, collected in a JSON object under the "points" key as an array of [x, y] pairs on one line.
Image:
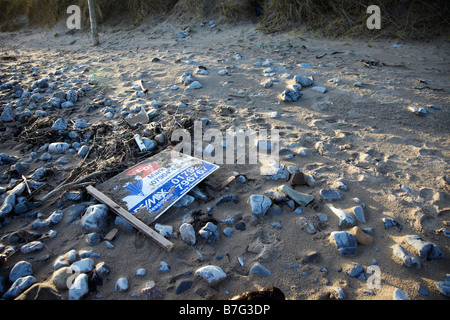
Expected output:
{"points": [[135, 222]]}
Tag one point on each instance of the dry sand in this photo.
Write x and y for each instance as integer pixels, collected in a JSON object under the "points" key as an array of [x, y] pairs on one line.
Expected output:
{"points": [[365, 136]]}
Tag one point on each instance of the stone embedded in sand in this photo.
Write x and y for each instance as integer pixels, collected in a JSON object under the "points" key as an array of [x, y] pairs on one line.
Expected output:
{"points": [[260, 204], [300, 198], [58, 147], [19, 286], [359, 213], [330, 194], [20, 269], [290, 95], [79, 288], [405, 257], [361, 236], [389, 223], [425, 250], [31, 247], [187, 78], [304, 81], [60, 124], [8, 205], [306, 224], [345, 219], [298, 179], [212, 274], [444, 286], [121, 285], [320, 89], [399, 295], [96, 218], [72, 96], [209, 232], [345, 242], [152, 292], [258, 268], [195, 85]]}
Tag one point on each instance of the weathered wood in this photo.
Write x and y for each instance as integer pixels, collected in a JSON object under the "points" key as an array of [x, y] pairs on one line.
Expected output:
{"points": [[135, 222], [93, 19]]}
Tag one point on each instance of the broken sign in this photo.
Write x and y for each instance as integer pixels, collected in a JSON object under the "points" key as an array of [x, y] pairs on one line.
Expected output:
{"points": [[154, 185]]}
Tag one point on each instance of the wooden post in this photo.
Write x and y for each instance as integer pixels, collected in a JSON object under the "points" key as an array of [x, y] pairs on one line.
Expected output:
{"points": [[135, 222], [93, 19]]}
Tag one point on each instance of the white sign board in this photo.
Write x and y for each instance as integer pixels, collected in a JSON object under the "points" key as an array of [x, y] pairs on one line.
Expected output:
{"points": [[157, 183]]}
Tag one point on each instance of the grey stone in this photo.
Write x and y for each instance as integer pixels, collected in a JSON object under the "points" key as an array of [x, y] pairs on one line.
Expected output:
{"points": [[21, 168], [212, 274], [164, 267], [330, 194], [58, 147], [187, 78], [20, 269], [184, 201], [345, 219], [389, 223], [290, 95], [152, 292], [195, 85], [306, 224], [74, 212], [300, 198], [304, 81], [81, 124], [399, 295], [260, 204], [96, 218], [79, 288], [259, 269], [345, 242], [320, 89], [67, 104], [356, 271], [425, 250], [407, 259], [149, 144], [60, 124], [164, 230], [72, 96], [121, 285], [84, 265], [183, 286], [443, 287], [31, 247], [19, 286], [83, 151], [8, 205], [7, 114], [209, 232], [358, 211]]}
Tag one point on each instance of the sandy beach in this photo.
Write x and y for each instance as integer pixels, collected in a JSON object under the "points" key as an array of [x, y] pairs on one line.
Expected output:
{"points": [[360, 132]]}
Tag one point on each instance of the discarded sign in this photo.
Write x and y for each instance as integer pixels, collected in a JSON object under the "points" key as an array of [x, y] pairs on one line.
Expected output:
{"points": [[148, 189]]}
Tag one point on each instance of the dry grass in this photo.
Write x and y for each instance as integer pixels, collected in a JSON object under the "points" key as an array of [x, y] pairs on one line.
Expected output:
{"points": [[413, 19]]}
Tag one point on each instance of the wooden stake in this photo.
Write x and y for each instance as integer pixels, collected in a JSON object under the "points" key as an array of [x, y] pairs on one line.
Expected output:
{"points": [[93, 19], [135, 222]]}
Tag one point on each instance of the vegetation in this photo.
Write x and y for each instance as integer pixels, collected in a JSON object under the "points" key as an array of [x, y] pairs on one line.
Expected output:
{"points": [[405, 19]]}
